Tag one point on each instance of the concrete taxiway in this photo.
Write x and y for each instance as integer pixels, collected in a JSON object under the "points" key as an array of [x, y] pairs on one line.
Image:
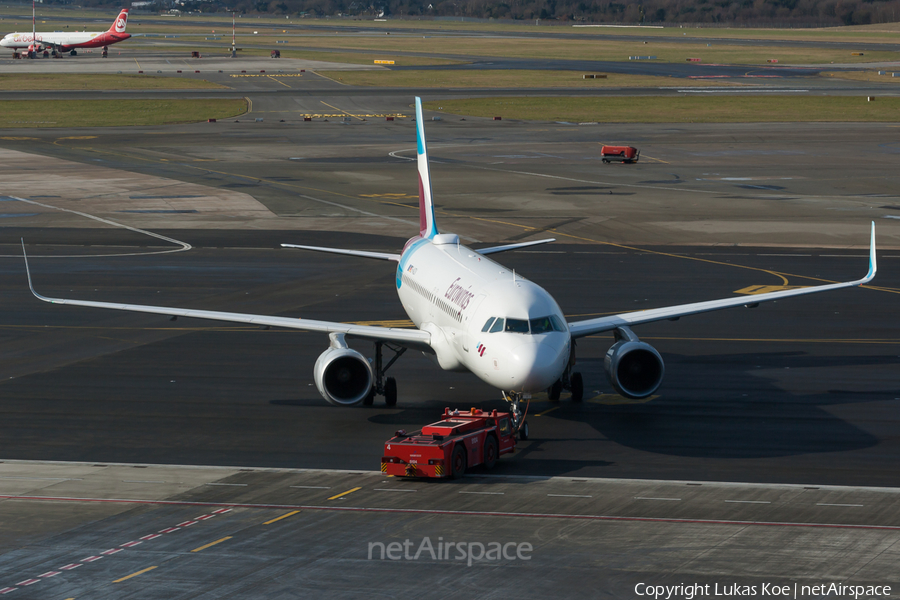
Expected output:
{"points": [[798, 400]]}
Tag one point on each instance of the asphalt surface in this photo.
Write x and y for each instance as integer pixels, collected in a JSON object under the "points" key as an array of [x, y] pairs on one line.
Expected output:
{"points": [[794, 403]]}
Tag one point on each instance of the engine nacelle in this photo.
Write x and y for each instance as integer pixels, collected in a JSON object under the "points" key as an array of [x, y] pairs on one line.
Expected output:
{"points": [[343, 375], [635, 369]]}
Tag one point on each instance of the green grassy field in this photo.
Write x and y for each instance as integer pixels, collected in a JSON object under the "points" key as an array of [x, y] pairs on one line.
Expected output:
{"points": [[708, 109], [509, 79], [114, 113], [66, 81], [48, 16]]}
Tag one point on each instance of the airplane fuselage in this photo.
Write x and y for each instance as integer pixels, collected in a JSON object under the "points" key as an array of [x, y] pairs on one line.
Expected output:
{"points": [[64, 41], [482, 317]]}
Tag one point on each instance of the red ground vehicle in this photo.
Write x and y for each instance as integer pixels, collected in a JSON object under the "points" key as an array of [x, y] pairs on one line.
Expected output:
{"points": [[460, 440], [626, 154]]}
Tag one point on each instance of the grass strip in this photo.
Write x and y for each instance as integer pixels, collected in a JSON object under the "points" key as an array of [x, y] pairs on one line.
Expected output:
{"points": [[66, 81], [115, 113], [690, 109], [512, 79]]}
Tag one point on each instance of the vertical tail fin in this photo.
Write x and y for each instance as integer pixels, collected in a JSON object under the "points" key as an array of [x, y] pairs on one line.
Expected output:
{"points": [[118, 25], [426, 206]]}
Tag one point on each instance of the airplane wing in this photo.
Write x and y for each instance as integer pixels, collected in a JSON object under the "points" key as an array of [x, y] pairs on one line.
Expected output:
{"points": [[363, 253], [411, 338], [590, 326], [495, 249]]}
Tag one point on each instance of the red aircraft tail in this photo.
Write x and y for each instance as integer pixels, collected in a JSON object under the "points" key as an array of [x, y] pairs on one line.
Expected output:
{"points": [[118, 25]]}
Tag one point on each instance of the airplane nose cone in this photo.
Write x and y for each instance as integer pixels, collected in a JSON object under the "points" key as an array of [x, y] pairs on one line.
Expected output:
{"points": [[537, 365]]}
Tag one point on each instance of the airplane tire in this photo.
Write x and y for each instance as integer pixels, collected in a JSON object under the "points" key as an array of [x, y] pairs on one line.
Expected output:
{"points": [[555, 390], [370, 397], [490, 452], [73, 53], [390, 392], [523, 431], [577, 385], [458, 462]]}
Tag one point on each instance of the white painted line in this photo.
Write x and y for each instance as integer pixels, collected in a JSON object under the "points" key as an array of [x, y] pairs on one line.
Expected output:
{"points": [[205, 517], [393, 490], [169, 530], [567, 496], [49, 574], [71, 566], [741, 91], [849, 505], [131, 544], [91, 559], [44, 478], [27, 582], [111, 551], [221, 511], [749, 501], [312, 487], [231, 484], [666, 499], [189, 523], [7, 590], [489, 493], [141, 481], [151, 536]]}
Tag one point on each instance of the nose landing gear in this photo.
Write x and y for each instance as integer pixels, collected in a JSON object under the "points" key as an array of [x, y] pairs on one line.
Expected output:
{"points": [[570, 380], [519, 424]]}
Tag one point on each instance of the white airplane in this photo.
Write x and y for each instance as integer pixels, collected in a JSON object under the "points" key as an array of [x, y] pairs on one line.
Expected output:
{"points": [[473, 314], [61, 42]]}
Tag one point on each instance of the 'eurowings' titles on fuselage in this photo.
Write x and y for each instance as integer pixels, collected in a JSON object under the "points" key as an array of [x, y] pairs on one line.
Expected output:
{"points": [[503, 328]]}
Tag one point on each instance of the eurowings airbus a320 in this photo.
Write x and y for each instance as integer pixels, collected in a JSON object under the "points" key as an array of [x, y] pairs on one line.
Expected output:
{"points": [[473, 314], [61, 42]]}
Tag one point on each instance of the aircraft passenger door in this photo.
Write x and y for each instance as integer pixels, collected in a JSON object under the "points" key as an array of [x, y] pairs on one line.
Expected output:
{"points": [[469, 312]]}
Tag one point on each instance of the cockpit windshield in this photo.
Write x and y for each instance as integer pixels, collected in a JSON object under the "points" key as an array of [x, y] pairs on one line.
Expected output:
{"points": [[537, 326]]}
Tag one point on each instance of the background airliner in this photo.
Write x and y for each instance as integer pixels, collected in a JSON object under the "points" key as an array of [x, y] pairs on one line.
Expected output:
{"points": [[473, 314], [60, 42]]}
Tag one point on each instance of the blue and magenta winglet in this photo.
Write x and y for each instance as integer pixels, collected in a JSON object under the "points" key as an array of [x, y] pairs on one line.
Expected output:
{"points": [[428, 229]]}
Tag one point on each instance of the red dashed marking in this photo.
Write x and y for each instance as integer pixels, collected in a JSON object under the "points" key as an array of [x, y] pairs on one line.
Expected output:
{"points": [[188, 523], [131, 544], [152, 536], [27, 582], [221, 511], [7, 590], [205, 517], [49, 574], [170, 530], [91, 559], [111, 551], [71, 566]]}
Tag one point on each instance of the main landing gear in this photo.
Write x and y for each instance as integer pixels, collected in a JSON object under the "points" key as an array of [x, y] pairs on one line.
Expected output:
{"points": [[386, 387], [570, 381]]}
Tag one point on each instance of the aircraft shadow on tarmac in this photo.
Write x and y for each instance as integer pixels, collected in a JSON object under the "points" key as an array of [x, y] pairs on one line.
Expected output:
{"points": [[744, 415]]}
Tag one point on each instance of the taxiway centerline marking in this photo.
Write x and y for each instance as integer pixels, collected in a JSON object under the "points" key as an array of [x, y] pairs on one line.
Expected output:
{"points": [[290, 514], [224, 539], [141, 572]]}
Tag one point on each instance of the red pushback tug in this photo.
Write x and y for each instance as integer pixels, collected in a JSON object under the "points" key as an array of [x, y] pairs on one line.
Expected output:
{"points": [[626, 154], [460, 440]]}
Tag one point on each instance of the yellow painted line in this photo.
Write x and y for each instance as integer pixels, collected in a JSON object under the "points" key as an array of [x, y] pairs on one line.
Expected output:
{"points": [[340, 110], [656, 159], [541, 414], [134, 574], [345, 493], [137, 63], [281, 82], [293, 512], [211, 544], [765, 289]]}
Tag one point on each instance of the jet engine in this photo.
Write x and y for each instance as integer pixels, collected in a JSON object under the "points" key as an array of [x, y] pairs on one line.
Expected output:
{"points": [[343, 375], [635, 369]]}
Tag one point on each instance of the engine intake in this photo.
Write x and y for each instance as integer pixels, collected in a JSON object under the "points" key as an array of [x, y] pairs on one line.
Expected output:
{"points": [[343, 375], [635, 369]]}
